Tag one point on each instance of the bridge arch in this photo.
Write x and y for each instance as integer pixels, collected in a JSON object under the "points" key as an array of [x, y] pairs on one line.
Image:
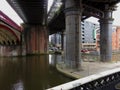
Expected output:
{"points": [[8, 35]]}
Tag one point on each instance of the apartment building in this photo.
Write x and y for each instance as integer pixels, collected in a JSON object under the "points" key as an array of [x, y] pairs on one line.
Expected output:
{"points": [[88, 36]]}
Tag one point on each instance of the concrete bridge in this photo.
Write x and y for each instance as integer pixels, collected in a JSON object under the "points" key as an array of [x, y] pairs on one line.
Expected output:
{"points": [[68, 18]]}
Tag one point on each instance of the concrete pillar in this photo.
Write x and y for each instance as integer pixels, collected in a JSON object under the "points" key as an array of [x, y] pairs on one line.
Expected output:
{"points": [[73, 34], [36, 38], [62, 40], [106, 36]]}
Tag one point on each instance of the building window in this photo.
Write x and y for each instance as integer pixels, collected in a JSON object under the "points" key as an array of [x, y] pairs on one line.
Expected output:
{"points": [[83, 41], [83, 35], [83, 28], [82, 31]]}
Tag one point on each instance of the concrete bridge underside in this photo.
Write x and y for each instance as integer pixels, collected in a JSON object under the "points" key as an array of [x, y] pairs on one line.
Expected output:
{"points": [[75, 11], [34, 14]]}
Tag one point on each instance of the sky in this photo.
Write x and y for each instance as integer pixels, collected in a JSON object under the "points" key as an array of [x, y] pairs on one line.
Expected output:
{"points": [[6, 8]]}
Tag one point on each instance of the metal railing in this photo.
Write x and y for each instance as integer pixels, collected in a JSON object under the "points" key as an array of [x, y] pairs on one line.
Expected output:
{"points": [[107, 80]]}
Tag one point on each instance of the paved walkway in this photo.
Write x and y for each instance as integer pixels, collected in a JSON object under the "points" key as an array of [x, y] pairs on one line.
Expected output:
{"points": [[89, 68]]}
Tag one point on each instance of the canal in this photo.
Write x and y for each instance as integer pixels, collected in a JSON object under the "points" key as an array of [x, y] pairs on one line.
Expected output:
{"points": [[30, 73]]}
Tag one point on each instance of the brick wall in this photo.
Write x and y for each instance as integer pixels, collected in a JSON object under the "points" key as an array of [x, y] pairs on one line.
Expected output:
{"points": [[115, 39]]}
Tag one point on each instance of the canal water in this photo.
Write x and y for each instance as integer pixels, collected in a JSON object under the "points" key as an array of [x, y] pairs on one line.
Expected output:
{"points": [[30, 73]]}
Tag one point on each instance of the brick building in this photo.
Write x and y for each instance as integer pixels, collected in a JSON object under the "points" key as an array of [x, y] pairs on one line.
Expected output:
{"points": [[115, 39]]}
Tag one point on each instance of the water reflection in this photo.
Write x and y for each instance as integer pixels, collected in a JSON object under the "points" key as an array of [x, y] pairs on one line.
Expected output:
{"points": [[18, 86], [30, 73], [54, 59]]}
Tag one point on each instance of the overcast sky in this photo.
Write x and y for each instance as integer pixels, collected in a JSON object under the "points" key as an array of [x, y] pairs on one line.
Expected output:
{"points": [[4, 6]]}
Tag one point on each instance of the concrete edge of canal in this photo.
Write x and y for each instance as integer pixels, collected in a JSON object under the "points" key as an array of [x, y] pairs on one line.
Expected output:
{"points": [[67, 72], [89, 68]]}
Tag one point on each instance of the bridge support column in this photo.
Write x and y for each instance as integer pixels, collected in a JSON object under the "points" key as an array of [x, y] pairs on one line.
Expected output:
{"points": [[106, 36], [62, 40], [36, 38], [73, 34]]}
